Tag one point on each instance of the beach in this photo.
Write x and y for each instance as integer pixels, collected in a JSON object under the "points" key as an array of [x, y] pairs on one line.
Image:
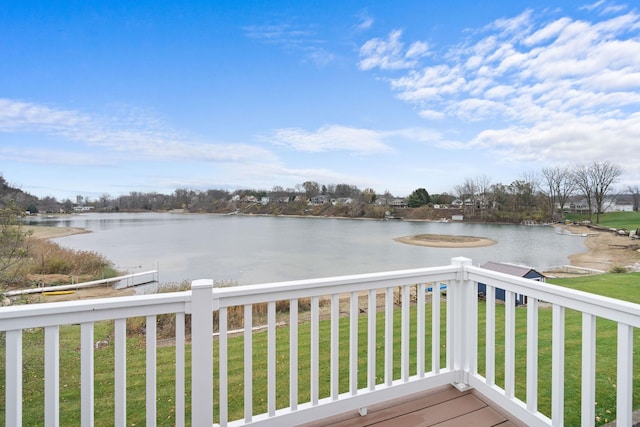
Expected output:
{"points": [[605, 250]]}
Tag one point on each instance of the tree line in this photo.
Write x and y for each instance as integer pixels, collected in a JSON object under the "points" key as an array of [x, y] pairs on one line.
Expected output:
{"points": [[542, 196], [547, 195]]}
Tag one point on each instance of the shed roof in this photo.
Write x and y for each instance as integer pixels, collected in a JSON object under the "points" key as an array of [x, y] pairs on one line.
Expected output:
{"points": [[514, 270]]}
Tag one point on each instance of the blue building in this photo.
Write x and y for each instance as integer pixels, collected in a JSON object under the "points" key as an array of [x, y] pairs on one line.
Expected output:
{"points": [[513, 270]]}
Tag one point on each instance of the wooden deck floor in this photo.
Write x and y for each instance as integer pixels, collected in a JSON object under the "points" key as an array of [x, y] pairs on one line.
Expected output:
{"points": [[442, 407]]}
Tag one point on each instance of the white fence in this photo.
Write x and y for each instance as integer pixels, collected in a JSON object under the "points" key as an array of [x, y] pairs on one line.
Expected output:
{"points": [[365, 339]]}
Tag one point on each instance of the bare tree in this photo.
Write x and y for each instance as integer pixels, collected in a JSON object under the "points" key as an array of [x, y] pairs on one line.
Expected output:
{"points": [[635, 194], [483, 184], [604, 176], [105, 201], [467, 193], [558, 185], [311, 188], [582, 178], [368, 195], [14, 243], [595, 181], [565, 187], [548, 187]]}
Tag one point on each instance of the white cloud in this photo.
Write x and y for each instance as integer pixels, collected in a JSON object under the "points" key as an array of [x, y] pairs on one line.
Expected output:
{"points": [[331, 138], [18, 116], [548, 32], [606, 7], [513, 27], [432, 114], [365, 23], [499, 92], [539, 87], [336, 138], [57, 157], [292, 38], [281, 34], [135, 135], [586, 138], [320, 57], [432, 82], [593, 6], [417, 49], [390, 54]]}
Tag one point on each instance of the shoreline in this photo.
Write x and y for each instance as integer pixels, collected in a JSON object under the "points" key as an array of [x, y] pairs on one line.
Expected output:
{"points": [[604, 250]]}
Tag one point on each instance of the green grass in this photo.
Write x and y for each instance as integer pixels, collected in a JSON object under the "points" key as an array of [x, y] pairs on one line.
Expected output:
{"points": [[617, 285], [621, 286], [605, 362], [619, 220], [33, 374]]}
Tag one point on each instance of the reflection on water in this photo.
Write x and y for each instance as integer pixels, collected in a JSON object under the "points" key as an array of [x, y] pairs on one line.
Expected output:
{"points": [[256, 249]]}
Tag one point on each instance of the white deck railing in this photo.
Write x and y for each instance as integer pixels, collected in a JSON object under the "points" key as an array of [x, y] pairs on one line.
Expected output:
{"points": [[394, 339]]}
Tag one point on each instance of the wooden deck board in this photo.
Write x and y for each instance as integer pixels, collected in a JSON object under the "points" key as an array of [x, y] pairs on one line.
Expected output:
{"points": [[441, 407]]}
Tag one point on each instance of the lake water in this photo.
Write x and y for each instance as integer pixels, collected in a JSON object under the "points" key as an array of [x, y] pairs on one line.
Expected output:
{"points": [[260, 249]]}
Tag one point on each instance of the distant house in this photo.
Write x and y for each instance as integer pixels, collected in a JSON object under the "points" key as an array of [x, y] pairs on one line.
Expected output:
{"points": [[343, 201], [613, 205], [513, 270], [320, 199], [399, 203], [580, 206], [249, 199]]}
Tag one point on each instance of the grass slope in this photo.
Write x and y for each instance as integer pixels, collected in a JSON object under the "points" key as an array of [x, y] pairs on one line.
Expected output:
{"points": [[619, 220]]}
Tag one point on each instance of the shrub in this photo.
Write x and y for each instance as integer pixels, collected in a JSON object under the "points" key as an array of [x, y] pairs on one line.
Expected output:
{"points": [[618, 269], [50, 258]]}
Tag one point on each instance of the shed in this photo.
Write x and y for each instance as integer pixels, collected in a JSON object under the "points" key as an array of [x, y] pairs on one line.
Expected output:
{"points": [[513, 270]]}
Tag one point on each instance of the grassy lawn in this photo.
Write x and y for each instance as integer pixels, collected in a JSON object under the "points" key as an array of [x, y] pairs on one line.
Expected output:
{"points": [[621, 286], [625, 286], [620, 220]]}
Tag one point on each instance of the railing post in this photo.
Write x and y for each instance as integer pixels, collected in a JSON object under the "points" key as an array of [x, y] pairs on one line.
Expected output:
{"points": [[202, 352], [462, 323]]}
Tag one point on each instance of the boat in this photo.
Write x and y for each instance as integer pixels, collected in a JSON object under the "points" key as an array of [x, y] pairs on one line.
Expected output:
{"points": [[51, 293]]}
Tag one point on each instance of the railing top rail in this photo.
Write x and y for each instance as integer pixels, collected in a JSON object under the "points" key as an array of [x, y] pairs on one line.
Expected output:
{"points": [[60, 313], [601, 306], [331, 285]]}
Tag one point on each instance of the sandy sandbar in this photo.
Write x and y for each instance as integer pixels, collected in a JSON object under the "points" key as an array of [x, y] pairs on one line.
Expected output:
{"points": [[446, 241], [46, 232]]}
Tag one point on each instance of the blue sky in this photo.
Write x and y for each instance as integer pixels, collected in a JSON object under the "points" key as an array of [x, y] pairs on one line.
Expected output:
{"points": [[112, 97]]}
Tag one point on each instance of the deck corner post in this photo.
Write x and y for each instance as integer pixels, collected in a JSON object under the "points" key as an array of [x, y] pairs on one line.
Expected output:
{"points": [[201, 352], [462, 339], [462, 263]]}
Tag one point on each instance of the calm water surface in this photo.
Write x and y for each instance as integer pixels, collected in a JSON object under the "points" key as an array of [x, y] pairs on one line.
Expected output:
{"points": [[256, 249]]}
